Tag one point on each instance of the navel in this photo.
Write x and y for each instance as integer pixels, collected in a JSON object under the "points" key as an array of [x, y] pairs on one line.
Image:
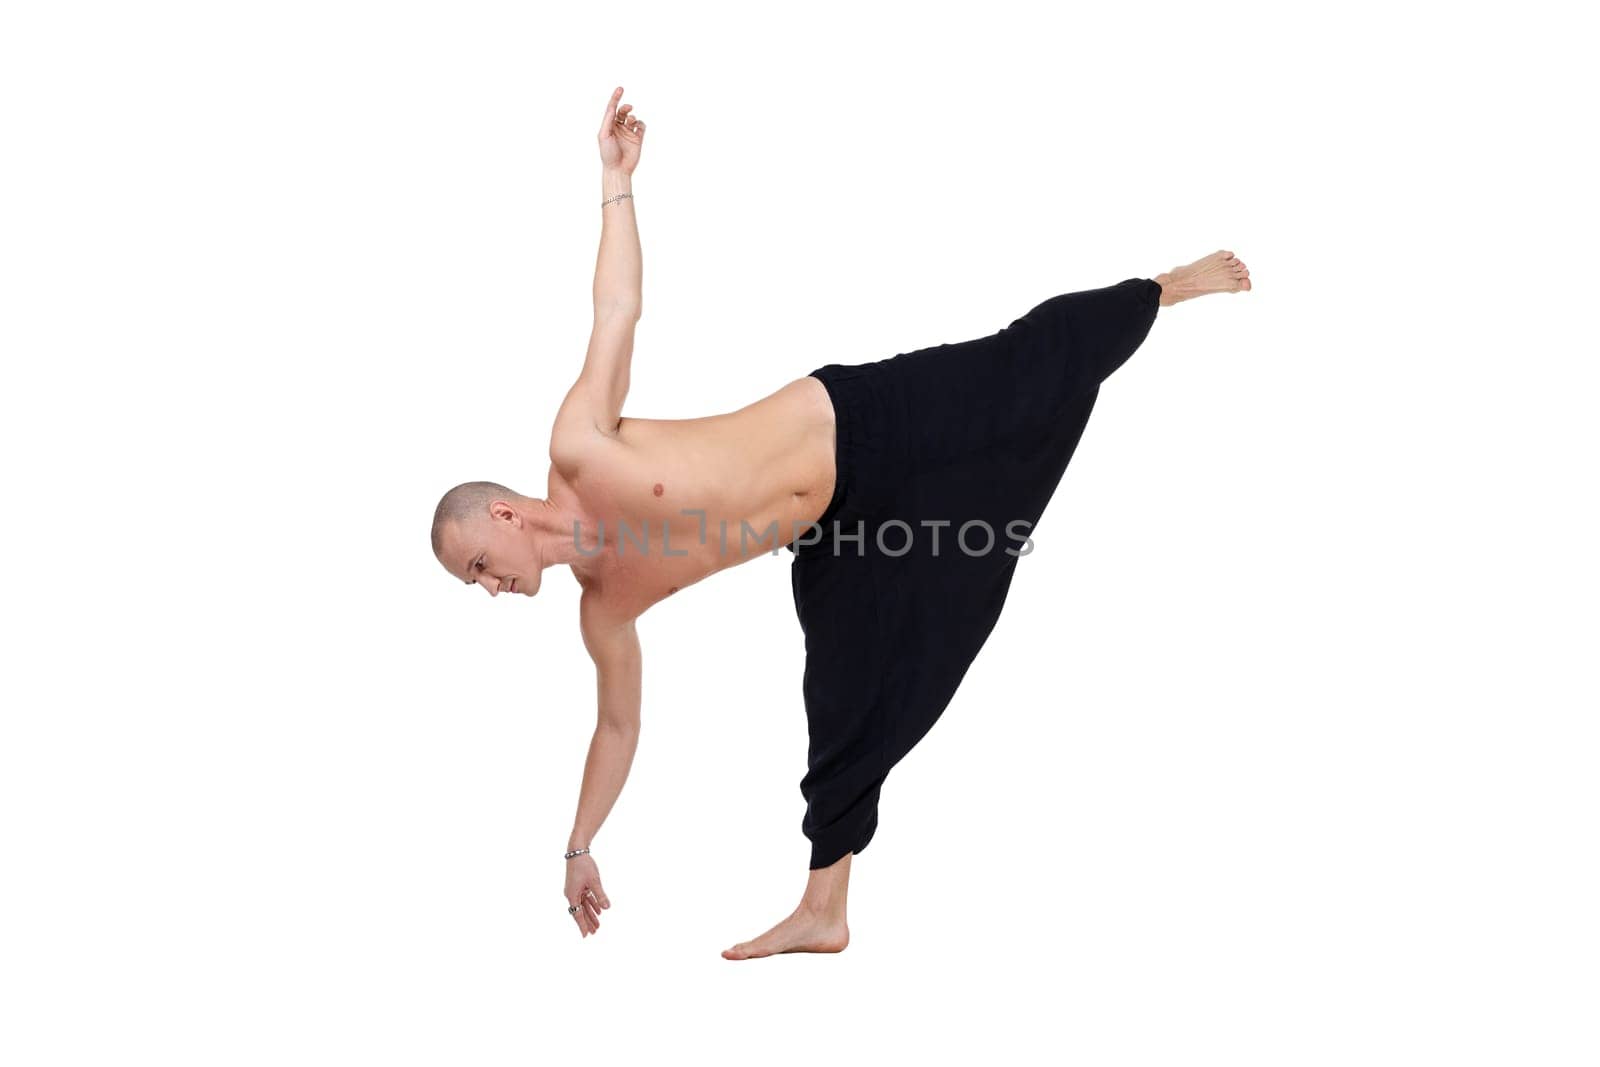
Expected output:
{"points": [[659, 489], [674, 589]]}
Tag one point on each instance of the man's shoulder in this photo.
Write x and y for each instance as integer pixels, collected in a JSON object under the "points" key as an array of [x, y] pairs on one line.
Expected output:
{"points": [[576, 439], [573, 445], [604, 621], [581, 449], [605, 602]]}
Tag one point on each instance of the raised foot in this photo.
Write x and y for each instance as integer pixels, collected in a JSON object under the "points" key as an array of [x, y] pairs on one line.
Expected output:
{"points": [[803, 931], [1220, 272]]}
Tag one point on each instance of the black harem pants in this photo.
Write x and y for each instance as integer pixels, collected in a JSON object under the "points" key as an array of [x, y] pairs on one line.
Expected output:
{"points": [[946, 458]]}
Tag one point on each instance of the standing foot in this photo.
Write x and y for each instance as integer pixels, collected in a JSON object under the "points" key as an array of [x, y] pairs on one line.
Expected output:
{"points": [[803, 931], [1220, 272]]}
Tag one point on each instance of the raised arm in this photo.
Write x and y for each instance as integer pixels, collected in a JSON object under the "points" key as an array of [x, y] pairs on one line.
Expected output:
{"points": [[614, 647], [617, 275], [595, 401]]}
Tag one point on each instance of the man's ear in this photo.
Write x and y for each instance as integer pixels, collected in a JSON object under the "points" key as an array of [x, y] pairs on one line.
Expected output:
{"points": [[501, 511]]}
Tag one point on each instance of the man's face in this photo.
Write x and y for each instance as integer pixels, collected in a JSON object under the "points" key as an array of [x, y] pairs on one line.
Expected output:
{"points": [[494, 550]]}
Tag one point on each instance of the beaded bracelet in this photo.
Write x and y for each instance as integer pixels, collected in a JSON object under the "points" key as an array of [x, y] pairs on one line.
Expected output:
{"points": [[576, 852]]}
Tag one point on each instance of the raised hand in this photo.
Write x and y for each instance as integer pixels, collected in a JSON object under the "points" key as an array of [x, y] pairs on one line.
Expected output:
{"points": [[621, 136], [585, 893]]}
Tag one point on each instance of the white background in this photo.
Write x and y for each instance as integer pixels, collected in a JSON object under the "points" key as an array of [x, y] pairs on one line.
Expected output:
{"points": [[1283, 753]]}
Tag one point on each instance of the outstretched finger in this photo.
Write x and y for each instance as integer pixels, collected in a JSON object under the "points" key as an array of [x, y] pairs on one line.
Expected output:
{"points": [[611, 110], [600, 896]]}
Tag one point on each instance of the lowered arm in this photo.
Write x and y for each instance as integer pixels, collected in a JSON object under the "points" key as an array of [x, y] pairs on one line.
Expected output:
{"points": [[615, 650]]}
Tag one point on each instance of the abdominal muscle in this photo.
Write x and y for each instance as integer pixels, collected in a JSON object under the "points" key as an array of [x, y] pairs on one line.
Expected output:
{"points": [[765, 471]]}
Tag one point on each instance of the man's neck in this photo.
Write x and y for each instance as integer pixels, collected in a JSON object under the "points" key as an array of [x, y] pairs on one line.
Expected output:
{"points": [[553, 530]]}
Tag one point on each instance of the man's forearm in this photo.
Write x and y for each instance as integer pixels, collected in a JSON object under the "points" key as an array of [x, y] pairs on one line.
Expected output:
{"points": [[618, 275], [605, 771]]}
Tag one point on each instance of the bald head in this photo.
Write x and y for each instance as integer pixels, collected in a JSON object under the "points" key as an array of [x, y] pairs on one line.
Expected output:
{"points": [[469, 500]]}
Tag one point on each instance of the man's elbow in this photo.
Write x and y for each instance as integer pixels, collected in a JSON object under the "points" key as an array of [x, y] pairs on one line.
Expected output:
{"points": [[618, 307], [620, 725]]}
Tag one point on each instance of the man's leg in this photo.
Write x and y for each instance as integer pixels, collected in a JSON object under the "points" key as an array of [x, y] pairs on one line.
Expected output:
{"points": [[834, 590], [1105, 338], [817, 925]]}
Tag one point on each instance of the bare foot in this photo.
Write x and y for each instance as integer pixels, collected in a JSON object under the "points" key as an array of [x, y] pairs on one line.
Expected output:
{"points": [[1220, 272], [803, 931]]}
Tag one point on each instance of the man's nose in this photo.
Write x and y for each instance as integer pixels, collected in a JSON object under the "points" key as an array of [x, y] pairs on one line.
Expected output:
{"points": [[490, 585]]}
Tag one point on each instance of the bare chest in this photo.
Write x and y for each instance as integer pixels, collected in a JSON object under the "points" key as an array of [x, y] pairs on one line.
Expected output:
{"points": [[673, 501]]}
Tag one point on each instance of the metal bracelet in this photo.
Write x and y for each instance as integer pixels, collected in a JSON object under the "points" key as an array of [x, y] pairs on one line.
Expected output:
{"points": [[614, 199], [576, 852]]}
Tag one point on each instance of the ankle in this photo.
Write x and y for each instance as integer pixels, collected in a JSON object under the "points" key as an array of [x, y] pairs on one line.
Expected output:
{"points": [[817, 906]]}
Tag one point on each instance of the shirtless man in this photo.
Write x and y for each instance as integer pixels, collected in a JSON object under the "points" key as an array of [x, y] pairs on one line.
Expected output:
{"points": [[641, 509]]}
